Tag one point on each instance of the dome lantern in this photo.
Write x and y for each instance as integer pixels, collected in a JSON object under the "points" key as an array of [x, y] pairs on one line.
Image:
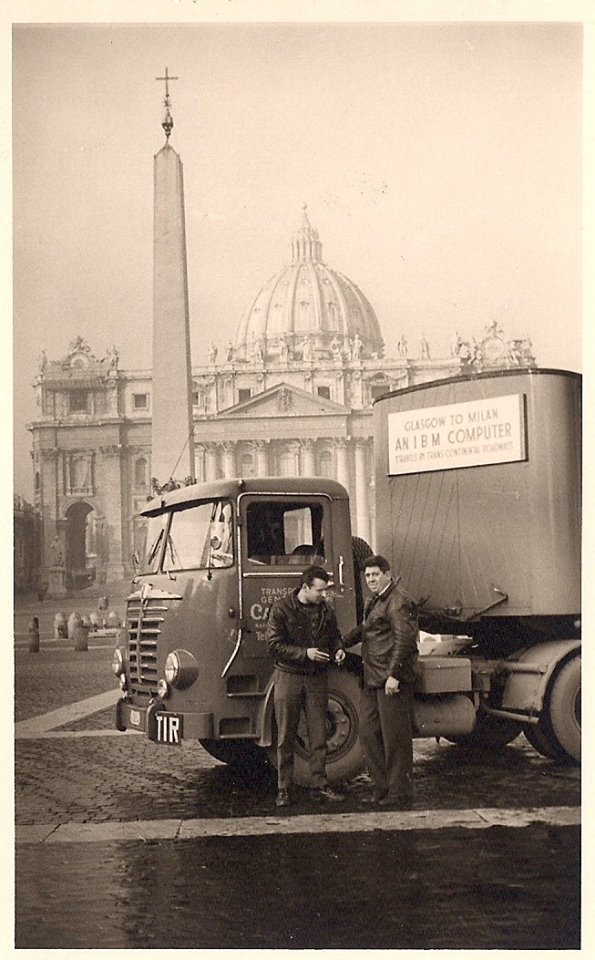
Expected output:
{"points": [[305, 244]]}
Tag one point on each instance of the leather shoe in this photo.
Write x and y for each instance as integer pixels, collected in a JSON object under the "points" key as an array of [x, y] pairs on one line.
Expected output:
{"points": [[397, 803], [283, 798], [327, 793]]}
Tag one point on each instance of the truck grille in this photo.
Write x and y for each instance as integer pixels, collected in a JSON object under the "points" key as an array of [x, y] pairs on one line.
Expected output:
{"points": [[143, 622]]}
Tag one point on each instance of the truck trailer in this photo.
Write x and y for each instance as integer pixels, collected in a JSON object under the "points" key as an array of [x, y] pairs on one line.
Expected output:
{"points": [[477, 482]]}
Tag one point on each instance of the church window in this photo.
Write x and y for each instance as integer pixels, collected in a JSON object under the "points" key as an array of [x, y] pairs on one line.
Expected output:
{"points": [[247, 465], [324, 392], [325, 464], [140, 401], [80, 474], [287, 464], [140, 473], [378, 389], [244, 393], [79, 400]]}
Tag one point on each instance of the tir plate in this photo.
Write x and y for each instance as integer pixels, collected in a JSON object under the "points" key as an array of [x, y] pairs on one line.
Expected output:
{"points": [[168, 728]]}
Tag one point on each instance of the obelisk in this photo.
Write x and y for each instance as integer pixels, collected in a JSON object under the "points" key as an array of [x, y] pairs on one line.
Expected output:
{"points": [[172, 435]]}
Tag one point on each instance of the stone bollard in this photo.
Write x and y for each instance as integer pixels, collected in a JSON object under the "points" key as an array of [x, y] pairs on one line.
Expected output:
{"points": [[78, 632], [113, 620], [34, 635], [60, 626]]}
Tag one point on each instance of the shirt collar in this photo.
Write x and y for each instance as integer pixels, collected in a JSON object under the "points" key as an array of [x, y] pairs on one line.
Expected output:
{"points": [[387, 588]]}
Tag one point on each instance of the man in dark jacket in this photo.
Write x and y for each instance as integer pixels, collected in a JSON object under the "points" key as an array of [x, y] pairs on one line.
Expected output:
{"points": [[389, 635], [303, 637]]}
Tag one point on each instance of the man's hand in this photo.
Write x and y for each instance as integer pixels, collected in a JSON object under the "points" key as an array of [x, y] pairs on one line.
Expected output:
{"points": [[391, 686], [319, 656], [339, 656]]}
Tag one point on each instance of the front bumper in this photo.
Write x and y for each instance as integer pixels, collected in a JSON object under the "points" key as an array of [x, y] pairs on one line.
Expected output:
{"points": [[197, 726]]}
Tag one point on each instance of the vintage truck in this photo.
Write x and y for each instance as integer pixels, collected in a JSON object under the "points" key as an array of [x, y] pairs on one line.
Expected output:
{"points": [[477, 484]]}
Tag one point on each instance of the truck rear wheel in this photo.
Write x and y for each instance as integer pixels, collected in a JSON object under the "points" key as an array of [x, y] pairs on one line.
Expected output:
{"points": [[562, 719], [344, 757], [490, 733], [541, 741]]}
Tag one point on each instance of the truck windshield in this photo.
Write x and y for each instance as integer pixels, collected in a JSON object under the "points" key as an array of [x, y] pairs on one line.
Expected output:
{"points": [[200, 536], [155, 533]]}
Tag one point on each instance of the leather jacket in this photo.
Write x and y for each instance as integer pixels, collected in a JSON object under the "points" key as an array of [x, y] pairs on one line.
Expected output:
{"points": [[289, 633], [389, 635]]}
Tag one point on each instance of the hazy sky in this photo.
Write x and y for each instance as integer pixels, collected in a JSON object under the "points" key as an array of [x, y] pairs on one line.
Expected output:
{"points": [[441, 164]]}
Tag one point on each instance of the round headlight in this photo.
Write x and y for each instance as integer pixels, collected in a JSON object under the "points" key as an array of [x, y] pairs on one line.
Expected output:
{"points": [[180, 668], [118, 662], [162, 689], [172, 668]]}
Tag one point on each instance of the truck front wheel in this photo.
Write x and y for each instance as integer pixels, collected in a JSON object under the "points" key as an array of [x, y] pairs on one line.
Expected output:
{"points": [[344, 758]]}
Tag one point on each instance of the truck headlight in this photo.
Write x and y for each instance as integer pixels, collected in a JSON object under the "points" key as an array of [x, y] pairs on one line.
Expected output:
{"points": [[119, 661], [180, 668]]}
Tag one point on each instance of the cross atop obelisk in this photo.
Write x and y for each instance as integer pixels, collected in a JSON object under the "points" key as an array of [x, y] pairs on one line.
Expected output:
{"points": [[168, 120]]}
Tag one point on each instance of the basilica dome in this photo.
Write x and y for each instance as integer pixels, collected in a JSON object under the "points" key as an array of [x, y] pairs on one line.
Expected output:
{"points": [[308, 310]]}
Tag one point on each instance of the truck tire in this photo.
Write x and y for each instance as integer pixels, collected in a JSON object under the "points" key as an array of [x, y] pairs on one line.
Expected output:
{"points": [[361, 551], [490, 733], [563, 711], [541, 741], [237, 753], [344, 758]]}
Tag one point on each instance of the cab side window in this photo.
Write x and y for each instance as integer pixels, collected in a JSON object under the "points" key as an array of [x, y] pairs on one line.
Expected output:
{"points": [[282, 532]]}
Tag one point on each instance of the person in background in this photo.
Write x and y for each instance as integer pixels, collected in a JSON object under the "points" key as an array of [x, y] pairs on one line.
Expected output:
{"points": [[389, 635], [303, 639]]}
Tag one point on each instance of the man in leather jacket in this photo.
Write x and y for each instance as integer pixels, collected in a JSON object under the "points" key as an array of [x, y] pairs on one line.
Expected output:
{"points": [[303, 637], [389, 635]]}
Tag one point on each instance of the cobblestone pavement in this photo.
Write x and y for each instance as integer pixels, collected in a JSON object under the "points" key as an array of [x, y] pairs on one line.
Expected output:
{"points": [[125, 776], [457, 889], [514, 888]]}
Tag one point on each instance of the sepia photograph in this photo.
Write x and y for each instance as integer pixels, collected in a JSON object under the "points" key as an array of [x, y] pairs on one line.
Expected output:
{"points": [[297, 352]]}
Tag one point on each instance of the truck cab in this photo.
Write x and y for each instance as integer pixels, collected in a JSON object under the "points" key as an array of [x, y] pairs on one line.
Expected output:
{"points": [[194, 662]]}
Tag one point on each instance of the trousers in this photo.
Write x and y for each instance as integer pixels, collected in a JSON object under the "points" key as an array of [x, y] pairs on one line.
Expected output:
{"points": [[292, 694], [386, 731]]}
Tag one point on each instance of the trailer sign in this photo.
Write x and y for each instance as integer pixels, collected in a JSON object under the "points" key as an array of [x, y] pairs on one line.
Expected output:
{"points": [[469, 434]]}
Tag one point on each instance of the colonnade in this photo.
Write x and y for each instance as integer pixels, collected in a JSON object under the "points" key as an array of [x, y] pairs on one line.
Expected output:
{"points": [[351, 462]]}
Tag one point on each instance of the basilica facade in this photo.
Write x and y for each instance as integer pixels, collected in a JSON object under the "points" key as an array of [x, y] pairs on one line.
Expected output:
{"points": [[290, 395]]}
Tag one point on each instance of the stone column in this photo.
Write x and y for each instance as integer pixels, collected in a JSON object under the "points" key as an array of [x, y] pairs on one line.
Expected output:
{"points": [[361, 490], [308, 465], [341, 446], [294, 449], [210, 461], [229, 458], [262, 467], [111, 466], [199, 461]]}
